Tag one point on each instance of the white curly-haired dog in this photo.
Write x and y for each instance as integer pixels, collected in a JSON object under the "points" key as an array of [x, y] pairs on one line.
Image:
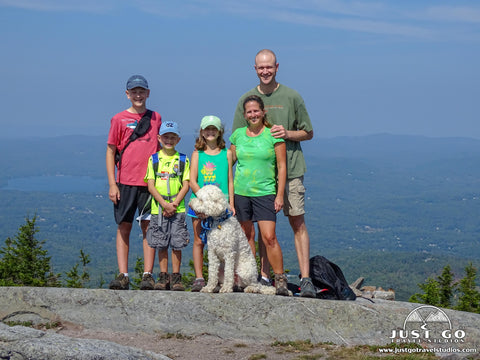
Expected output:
{"points": [[227, 244]]}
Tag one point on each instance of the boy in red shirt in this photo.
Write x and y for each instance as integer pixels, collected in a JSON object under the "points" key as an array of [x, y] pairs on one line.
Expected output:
{"points": [[127, 190]]}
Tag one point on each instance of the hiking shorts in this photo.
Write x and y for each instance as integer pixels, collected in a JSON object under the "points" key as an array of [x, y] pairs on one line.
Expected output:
{"points": [[164, 232], [294, 198], [132, 198], [255, 208]]}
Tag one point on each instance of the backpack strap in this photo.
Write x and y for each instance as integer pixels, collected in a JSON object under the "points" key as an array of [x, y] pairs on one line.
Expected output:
{"points": [[155, 164], [181, 165], [181, 168], [140, 129]]}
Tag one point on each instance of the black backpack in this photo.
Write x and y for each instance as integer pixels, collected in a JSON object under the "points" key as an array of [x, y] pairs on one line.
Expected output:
{"points": [[329, 280]]}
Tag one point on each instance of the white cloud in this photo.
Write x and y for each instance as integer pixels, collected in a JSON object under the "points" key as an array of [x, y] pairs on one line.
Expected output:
{"points": [[454, 14], [354, 24], [376, 17], [407, 19]]}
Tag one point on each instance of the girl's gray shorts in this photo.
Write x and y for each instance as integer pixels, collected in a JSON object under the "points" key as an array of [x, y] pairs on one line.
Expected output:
{"points": [[164, 232]]}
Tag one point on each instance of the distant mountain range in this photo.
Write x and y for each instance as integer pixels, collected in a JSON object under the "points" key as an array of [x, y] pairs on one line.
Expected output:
{"points": [[404, 149], [85, 155]]}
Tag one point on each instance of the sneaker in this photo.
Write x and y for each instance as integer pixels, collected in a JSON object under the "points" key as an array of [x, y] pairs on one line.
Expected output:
{"points": [[176, 281], [281, 284], [121, 282], [163, 282], [198, 284], [307, 289], [265, 282], [147, 282]]}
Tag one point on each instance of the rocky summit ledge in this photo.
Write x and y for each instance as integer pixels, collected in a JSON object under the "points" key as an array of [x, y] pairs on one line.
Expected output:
{"points": [[239, 316]]}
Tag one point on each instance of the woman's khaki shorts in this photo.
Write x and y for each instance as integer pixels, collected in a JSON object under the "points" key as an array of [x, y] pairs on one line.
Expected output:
{"points": [[294, 198]]}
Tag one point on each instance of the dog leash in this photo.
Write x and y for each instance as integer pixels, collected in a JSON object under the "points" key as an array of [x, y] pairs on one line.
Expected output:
{"points": [[210, 223]]}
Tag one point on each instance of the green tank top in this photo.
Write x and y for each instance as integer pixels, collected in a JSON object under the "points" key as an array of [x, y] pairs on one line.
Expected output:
{"points": [[213, 170]]}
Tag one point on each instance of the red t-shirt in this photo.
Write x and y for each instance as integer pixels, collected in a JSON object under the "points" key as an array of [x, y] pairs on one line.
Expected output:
{"points": [[135, 158]]}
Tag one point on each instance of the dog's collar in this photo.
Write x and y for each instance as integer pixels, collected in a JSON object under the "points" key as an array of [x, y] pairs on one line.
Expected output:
{"points": [[210, 223]]}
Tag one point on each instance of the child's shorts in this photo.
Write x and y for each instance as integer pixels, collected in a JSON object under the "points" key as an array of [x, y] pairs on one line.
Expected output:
{"points": [[164, 232], [131, 199]]}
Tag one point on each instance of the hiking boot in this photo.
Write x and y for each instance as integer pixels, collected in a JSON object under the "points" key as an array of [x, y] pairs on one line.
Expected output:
{"points": [[147, 282], [121, 282], [198, 284], [176, 281], [307, 289], [163, 282], [281, 284]]}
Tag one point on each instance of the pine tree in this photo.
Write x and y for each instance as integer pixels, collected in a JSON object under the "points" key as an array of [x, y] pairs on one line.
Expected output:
{"points": [[431, 295], [446, 287], [74, 278], [23, 262], [469, 298]]}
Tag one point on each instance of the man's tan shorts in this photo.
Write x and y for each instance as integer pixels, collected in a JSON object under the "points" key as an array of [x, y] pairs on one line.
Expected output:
{"points": [[294, 199]]}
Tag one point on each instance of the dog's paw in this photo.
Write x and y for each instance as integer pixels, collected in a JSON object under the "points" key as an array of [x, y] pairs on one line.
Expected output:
{"points": [[252, 289], [207, 289], [226, 289], [267, 290]]}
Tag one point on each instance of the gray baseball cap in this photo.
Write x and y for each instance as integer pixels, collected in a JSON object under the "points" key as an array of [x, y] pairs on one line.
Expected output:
{"points": [[137, 81]]}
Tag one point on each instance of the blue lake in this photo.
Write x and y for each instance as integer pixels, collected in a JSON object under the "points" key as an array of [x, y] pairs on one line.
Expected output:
{"points": [[58, 184]]}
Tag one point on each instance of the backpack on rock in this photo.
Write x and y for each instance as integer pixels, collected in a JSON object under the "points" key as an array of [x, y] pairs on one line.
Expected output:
{"points": [[329, 280]]}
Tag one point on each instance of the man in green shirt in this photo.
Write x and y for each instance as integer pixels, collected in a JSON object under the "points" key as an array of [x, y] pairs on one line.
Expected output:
{"points": [[286, 109]]}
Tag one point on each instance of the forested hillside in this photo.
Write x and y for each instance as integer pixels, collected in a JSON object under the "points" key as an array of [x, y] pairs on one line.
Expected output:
{"points": [[394, 209]]}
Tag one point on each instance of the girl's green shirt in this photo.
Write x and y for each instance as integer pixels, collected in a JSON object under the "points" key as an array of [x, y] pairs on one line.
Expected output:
{"points": [[213, 170]]}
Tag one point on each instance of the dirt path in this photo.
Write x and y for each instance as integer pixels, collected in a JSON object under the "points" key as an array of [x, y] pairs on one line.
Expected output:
{"points": [[201, 347]]}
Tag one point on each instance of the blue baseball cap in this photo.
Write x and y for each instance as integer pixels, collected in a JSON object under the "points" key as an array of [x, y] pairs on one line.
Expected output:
{"points": [[137, 81], [169, 127]]}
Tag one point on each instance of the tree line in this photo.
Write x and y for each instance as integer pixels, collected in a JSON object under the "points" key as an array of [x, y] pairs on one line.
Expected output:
{"points": [[24, 262], [445, 292]]}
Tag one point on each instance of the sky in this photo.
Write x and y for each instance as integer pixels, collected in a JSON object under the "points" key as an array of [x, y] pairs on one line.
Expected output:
{"points": [[408, 67]]}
